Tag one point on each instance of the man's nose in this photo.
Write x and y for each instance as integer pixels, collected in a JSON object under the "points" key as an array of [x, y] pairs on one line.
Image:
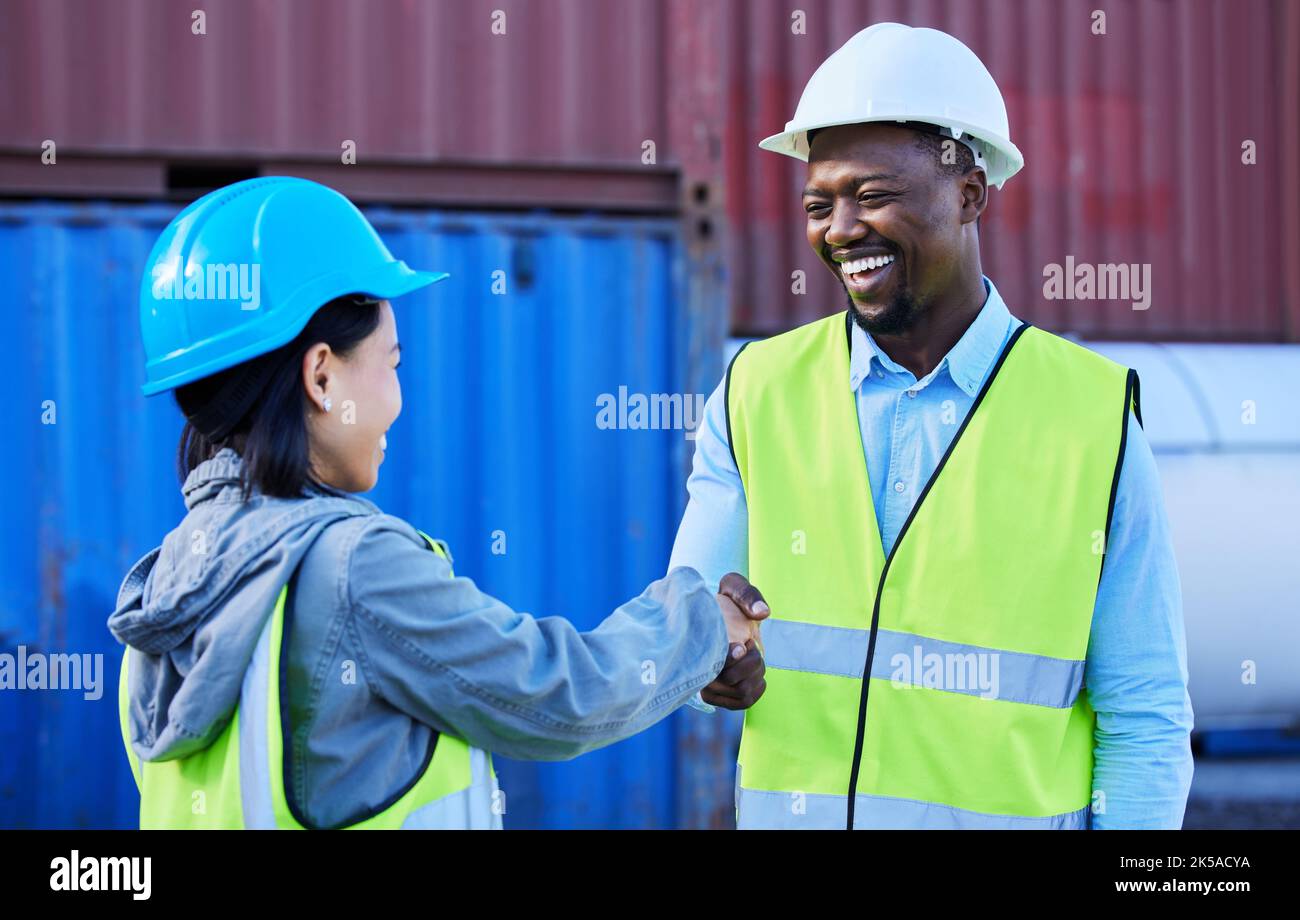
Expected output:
{"points": [[845, 227]]}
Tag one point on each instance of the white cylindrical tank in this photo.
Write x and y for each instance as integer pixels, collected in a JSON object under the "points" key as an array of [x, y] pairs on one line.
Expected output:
{"points": [[1224, 425]]}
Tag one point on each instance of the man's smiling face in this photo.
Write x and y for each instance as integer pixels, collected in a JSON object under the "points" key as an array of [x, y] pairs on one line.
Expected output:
{"points": [[887, 220]]}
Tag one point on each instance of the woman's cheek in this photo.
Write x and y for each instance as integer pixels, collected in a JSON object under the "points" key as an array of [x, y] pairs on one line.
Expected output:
{"points": [[396, 400], [385, 400], [388, 404]]}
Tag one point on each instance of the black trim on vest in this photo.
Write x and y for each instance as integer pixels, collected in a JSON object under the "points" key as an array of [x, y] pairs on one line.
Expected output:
{"points": [[1130, 397], [286, 735], [875, 610], [1137, 395], [726, 401]]}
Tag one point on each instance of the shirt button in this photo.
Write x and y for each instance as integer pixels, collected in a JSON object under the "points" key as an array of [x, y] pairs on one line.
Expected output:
{"points": [[898, 486], [880, 373], [912, 393]]}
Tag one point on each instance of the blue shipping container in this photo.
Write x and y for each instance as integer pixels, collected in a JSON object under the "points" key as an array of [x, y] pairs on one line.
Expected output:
{"points": [[497, 443]]}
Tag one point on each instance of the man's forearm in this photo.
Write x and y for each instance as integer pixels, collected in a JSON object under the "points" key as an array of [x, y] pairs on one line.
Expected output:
{"points": [[1142, 771]]}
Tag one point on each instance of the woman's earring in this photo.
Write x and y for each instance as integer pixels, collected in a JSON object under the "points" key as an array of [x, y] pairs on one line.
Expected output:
{"points": [[328, 405]]}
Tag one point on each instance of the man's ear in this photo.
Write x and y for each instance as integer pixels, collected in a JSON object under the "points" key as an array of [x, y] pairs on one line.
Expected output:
{"points": [[974, 195]]}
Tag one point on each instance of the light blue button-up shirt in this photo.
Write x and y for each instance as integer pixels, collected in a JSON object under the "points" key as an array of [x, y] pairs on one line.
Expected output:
{"points": [[1137, 661]]}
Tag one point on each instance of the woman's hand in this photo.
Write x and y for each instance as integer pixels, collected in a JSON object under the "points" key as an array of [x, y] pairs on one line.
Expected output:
{"points": [[740, 628]]}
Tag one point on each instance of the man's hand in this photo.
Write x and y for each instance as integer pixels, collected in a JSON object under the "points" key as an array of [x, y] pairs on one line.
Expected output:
{"points": [[749, 599], [741, 681]]}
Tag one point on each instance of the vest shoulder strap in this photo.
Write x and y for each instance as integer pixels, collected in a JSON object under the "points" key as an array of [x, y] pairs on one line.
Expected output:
{"points": [[778, 363]]}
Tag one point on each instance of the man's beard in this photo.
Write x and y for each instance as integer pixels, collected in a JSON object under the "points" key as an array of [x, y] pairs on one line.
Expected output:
{"points": [[900, 315]]}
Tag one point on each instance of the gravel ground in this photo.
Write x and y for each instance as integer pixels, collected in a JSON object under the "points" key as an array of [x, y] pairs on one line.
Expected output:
{"points": [[1244, 793]]}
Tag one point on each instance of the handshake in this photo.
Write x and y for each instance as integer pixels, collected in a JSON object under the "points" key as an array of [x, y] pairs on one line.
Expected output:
{"points": [[740, 683]]}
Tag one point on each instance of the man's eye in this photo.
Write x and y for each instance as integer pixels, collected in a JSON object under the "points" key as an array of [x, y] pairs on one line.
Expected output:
{"points": [[813, 209]]}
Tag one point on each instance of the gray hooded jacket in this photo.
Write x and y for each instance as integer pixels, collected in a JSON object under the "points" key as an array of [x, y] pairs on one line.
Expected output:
{"points": [[386, 646]]}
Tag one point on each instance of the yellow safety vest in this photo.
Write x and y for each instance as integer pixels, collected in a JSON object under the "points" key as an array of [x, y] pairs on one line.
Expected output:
{"points": [[973, 632], [238, 781]]}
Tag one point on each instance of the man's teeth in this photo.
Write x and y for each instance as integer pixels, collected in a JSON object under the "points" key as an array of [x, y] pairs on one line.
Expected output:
{"points": [[865, 265]]}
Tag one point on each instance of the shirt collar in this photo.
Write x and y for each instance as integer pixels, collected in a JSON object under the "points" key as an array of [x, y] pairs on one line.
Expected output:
{"points": [[967, 362]]}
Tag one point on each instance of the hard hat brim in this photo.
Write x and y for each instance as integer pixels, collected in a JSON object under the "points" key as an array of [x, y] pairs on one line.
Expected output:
{"points": [[385, 283], [791, 142], [403, 280]]}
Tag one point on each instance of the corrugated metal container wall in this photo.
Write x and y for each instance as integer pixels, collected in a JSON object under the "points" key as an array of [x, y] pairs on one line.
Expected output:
{"points": [[1132, 138], [1132, 142], [568, 82], [498, 436]]}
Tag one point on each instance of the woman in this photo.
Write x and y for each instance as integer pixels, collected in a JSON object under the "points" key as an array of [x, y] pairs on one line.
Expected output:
{"points": [[297, 658]]}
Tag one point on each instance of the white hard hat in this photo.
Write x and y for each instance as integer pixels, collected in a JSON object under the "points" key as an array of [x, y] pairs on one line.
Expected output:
{"points": [[892, 72]]}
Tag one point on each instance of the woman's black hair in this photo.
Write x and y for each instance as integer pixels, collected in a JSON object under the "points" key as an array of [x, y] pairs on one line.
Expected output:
{"points": [[259, 408]]}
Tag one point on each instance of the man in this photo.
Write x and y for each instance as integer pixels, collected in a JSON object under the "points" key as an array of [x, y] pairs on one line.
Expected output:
{"points": [[926, 489]]}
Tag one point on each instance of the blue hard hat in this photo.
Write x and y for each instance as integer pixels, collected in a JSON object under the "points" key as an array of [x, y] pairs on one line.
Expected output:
{"points": [[239, 273]]}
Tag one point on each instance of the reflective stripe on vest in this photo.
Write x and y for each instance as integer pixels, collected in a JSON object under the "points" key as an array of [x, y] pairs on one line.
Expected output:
{"points": [[760, 809], [238, 781], [975, 628], [922, 661]]}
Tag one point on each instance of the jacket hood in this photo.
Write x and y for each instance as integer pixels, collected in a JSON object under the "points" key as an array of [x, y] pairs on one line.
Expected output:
{"points": [[194, 608]]}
